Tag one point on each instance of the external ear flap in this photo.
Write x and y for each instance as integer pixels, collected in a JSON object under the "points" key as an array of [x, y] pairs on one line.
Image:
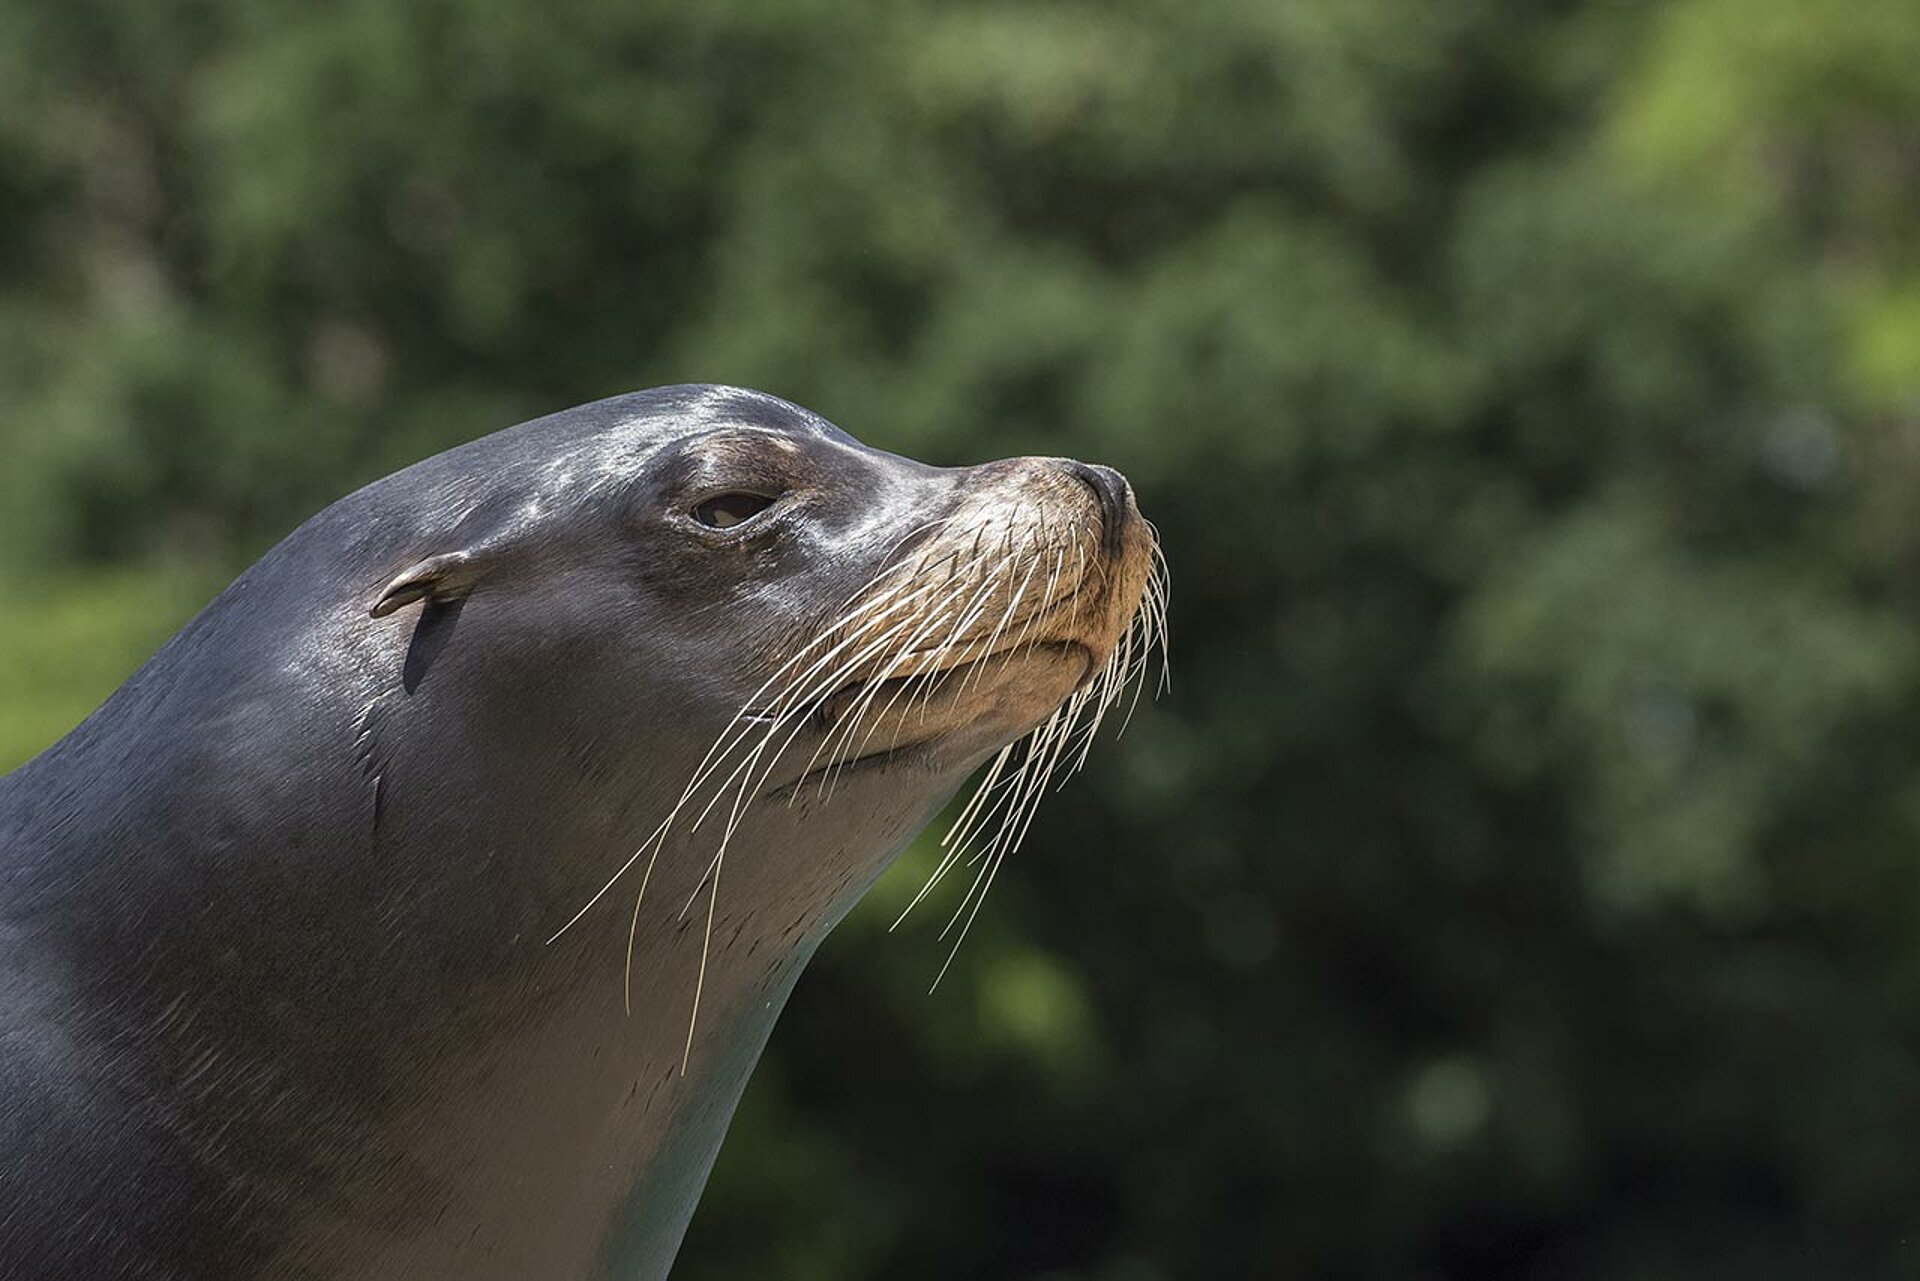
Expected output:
{"points": [[481, 536], [445, 577]]}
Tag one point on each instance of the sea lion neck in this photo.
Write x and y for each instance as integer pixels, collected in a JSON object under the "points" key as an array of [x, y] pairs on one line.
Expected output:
{"points": [[300, 994]]}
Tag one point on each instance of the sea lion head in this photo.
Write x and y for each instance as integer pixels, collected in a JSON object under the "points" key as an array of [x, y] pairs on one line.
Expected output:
{"points": [[804, 616]]}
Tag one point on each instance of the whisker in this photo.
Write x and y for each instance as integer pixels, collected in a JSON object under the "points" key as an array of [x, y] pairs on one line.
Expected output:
{"points": [[944, 599]]}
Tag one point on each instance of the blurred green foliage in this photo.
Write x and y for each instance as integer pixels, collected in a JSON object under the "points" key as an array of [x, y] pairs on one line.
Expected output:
{"points": [[1523, 879]]}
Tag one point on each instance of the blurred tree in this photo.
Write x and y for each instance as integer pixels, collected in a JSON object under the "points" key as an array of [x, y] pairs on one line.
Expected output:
{"points": [[1521, 879]]}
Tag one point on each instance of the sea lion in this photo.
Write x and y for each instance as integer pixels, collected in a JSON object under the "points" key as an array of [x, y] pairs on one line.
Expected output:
{"points": [[421, 908]]}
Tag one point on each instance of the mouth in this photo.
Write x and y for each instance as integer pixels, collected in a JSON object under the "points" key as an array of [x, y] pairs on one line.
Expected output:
{"points": [[934, 699], [919, 690], [824, 776]]}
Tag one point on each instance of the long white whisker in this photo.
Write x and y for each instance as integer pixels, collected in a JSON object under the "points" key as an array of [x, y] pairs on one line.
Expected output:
{"points": [[738, 730]]}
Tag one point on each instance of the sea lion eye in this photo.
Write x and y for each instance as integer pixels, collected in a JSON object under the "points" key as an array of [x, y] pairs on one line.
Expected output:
{"points": [[724, 510]]}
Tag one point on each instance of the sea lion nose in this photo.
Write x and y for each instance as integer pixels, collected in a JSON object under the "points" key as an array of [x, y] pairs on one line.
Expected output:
{"points": [[1116, 500]]}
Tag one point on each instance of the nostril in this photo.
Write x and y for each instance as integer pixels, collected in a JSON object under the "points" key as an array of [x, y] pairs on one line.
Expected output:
{"points": [[1110, 487]]}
